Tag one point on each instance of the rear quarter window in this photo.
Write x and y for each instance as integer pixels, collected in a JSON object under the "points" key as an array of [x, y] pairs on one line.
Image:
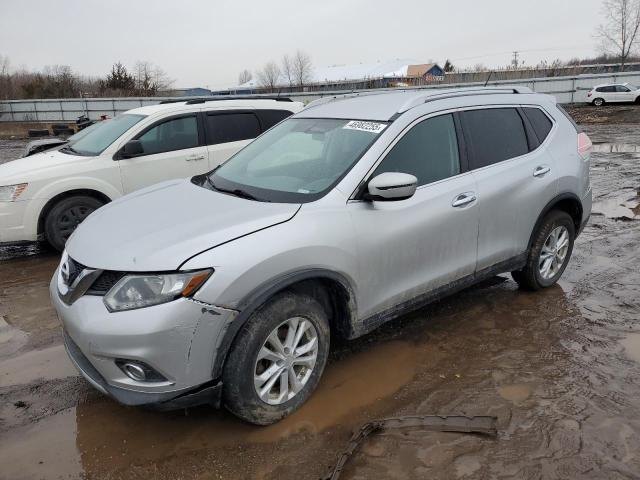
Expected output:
{"points": [[541, 124], [495, 135], [231, 127], [268, 118]]}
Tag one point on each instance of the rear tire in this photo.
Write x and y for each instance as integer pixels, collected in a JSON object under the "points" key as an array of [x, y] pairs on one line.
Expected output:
{"points": [[598, 102], [247, 392], [550, 252], [65, 216]]}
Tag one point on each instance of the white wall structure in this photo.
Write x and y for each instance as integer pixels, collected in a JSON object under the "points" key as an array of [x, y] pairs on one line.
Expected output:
{"points": [[571, 89]]}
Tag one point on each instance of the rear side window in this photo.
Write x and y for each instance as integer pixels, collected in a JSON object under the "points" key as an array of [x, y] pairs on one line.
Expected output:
{"points": [[231, 127], [539, 121], [495, 135], [269, 118], [429, 151]]}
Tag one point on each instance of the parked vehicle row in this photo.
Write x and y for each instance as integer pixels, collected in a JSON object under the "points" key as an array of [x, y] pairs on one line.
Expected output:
{"points": [[45, 196], [227, 287]]}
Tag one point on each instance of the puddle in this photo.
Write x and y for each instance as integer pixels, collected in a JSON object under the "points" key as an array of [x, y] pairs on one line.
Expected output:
{"points": [[110, 437], [467, 465], [49, 445], [11, 339], [624, 208], [47, 364], [616, 148], [631, 346], [515, 393]]}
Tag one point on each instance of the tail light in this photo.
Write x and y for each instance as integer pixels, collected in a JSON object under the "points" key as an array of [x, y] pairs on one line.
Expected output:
{"points": [[589, 94], [584, 145]]}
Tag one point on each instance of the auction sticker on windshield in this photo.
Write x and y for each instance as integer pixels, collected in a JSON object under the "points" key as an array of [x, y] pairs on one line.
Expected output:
{"points": [[373, 127]]}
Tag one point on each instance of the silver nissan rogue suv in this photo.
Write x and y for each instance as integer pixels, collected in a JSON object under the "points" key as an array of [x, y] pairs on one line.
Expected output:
{"points": [[226, 288]]}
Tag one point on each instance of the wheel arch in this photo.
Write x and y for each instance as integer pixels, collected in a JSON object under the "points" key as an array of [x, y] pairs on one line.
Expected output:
{"points": [[331, 289], [566, 202], [66, 194]]}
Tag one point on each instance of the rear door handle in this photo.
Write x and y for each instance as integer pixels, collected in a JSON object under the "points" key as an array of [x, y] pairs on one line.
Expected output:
{"points": [[463, 199], [195, 158], [541, 170]]}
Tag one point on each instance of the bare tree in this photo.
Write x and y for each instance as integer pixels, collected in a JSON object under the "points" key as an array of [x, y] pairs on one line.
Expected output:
{"points": [[244, 76], [302, 68], [287, 69], [150, 79], [619, 32], [269, 76], [5, 78]]}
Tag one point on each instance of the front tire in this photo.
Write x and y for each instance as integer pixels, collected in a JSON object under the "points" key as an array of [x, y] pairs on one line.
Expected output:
{"points": [[550, 252], [277, 359], [65, 216]]}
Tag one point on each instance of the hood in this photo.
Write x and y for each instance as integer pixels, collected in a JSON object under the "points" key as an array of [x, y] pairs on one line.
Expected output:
{"points": [[24, 169], [161, 226]]}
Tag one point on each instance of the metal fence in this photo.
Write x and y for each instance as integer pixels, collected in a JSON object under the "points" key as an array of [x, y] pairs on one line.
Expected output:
{"points": [[570, 89]]}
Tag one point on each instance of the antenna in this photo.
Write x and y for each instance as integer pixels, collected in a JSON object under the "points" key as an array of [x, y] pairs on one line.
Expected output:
{"points": [[488, 78]]}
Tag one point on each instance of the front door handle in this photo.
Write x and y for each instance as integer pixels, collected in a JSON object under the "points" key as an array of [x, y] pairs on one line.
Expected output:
{"points": [[541, 170], [195, 158], [463, 199]]}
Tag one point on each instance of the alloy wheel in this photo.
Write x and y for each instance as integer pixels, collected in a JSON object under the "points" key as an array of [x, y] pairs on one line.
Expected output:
{"points": [[553, 252], [286, 361]]}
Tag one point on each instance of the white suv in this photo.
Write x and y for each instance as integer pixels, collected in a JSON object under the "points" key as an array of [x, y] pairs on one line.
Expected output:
{"points": [[614, 93], [46, 196]]}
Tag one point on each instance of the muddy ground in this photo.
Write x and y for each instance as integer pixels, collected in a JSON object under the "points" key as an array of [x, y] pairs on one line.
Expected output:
{"points": [[559, 368]]}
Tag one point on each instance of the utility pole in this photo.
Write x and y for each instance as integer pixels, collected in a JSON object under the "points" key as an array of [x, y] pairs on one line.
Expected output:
{"points": [[515, 61]]}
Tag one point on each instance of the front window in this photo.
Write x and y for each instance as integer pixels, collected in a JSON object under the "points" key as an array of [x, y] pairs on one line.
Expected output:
{"points": [[299, 160], [101, 135]]}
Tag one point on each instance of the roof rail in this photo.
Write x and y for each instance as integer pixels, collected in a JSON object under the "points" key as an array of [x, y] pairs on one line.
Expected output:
{"points": [[196, 100], [344, 96], [463, 92]]}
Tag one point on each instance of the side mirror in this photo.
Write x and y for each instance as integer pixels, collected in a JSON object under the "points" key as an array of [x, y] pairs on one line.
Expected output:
{"points": [[391, 186], [132, 148]]}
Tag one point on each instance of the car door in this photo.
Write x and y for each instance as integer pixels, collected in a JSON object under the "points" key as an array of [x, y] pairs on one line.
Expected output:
{"points": [[515, 178], [227, 131], [624, 93], [172, 148], [410, 247]]}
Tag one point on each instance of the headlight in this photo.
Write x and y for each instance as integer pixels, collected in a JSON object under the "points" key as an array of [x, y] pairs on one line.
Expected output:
{"points": [[138, 291], [10, 193]]}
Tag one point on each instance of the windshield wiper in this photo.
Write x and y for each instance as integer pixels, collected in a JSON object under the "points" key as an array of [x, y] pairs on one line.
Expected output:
{"points": [[70, 149], [238, 192]]}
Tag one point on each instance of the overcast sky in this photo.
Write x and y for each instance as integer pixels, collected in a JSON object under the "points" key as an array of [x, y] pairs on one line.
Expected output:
{"points": [[208, 42]]}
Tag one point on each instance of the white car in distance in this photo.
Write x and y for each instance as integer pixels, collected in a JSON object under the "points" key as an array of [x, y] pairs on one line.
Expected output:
{"points": [[45, 196], [613, 93]]}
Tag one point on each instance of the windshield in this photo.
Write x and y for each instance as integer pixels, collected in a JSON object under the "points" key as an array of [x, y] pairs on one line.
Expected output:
{"points": [[101, 135], [296, 161], [77, 136]]}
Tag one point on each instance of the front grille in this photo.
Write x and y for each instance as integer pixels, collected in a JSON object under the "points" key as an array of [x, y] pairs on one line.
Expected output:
{"points": [[75, 269], [104, 282]]}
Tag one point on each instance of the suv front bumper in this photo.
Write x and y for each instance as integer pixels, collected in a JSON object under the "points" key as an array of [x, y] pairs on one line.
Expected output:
{"points": [[177, 339], [12, 223]]}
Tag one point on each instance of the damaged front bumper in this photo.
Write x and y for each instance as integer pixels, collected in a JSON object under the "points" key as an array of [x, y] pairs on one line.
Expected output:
{"points": [[177, 340]]}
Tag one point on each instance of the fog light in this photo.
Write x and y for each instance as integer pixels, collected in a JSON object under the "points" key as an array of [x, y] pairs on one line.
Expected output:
{"points": [[139, 371], [136, 372]]}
